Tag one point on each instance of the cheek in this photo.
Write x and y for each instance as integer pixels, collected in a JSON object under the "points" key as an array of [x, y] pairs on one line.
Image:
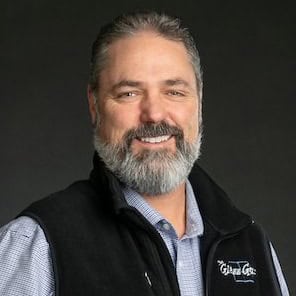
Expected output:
{"points": [[193, 129], [114, 122], [190, 119]]}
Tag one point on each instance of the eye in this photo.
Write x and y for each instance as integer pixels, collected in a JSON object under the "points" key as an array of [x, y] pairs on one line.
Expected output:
{"points": [[126, 94], [175, 93]]}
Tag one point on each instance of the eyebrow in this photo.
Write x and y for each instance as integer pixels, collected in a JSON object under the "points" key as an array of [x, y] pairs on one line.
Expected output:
{"points": [[123, 83], [135, 83], [177, 81]]}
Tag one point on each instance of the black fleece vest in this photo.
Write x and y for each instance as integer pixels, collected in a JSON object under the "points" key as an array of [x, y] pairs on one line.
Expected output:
{"points": [[102, 246]]}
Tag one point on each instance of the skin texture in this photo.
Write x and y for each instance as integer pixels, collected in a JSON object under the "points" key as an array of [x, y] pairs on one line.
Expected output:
{"points": [[148, 79]]}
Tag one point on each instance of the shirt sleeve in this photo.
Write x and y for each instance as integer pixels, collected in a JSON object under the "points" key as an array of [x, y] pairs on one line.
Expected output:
{"points": [[25, 262], [281, 279]]}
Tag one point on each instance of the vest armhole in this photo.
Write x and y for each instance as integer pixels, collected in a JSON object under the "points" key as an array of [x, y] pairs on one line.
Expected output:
{"points": [[269, 257]]}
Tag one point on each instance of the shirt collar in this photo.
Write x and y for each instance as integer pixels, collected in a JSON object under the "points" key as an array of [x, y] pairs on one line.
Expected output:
{"points": [[137, 201], [194, 223]]}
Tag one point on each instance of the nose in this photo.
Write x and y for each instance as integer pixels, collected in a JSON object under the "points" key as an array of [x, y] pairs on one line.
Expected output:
{"points": [[153, 108]]}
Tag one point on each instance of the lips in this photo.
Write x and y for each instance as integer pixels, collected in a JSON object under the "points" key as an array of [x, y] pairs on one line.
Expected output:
{"points": [[153, 140]]}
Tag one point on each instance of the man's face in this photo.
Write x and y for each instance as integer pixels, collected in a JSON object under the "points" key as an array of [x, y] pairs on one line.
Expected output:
{"points": [[148, 81]]}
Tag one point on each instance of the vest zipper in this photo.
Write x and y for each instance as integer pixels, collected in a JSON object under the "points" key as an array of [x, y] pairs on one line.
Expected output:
{"points": [[175, 290], [147, 278]]}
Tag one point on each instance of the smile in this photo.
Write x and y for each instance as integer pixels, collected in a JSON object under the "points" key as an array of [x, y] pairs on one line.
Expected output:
{"points": [[154, 139]]}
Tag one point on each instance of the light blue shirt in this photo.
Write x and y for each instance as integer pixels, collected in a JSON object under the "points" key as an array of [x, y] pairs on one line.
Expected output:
{"points": [[26, 265], [184, 251]]}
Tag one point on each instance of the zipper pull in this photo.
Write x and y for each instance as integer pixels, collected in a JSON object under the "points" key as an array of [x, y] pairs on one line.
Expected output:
{"points": [[147, 278]]}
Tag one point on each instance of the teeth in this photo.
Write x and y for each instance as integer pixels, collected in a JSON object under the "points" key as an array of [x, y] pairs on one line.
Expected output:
{"points": [[155, 139]]}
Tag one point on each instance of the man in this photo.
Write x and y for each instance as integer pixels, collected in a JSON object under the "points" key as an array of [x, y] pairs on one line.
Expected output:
{"points": [[149, 221]]}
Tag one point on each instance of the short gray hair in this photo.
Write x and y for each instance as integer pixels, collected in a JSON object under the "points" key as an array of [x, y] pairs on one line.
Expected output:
{"points": [[129, 24]]}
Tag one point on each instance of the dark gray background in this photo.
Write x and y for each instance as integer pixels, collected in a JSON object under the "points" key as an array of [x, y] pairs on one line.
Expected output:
{"points": [[248, 56]]}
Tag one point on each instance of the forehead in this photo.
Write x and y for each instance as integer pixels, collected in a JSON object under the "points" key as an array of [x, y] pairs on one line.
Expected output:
{"points": [[147, 56]]}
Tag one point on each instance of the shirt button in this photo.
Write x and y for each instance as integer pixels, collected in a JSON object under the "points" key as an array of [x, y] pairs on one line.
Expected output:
{"points": [[180, 264], [166, 226], [194, 227]]}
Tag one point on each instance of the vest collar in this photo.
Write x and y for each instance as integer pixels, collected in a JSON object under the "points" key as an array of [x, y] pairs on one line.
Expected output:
{"points": [[216, 208]]}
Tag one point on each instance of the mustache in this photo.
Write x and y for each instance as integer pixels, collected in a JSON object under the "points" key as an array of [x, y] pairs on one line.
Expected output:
{"points": [[149, 130]]}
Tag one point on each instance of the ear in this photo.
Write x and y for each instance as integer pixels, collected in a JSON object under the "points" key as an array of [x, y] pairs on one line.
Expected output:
{"points": [[92, 107]]}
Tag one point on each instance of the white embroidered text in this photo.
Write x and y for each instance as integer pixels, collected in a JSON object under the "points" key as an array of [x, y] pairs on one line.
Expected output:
{"points": [[241, 271]]}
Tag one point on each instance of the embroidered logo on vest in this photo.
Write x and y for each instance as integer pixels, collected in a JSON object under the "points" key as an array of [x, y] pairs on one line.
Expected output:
{"points": [[241, 271]]}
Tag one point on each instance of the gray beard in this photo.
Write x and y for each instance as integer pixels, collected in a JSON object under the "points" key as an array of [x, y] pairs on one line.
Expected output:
{"points": [[150, 172]]}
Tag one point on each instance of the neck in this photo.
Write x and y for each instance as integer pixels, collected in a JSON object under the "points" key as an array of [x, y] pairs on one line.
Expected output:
{"points": [[172, 206]]}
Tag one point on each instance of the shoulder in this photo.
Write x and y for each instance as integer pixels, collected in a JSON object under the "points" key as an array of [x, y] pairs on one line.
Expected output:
{"points": [[22, 239], [69, 202], [78, 207], [24, 230]]}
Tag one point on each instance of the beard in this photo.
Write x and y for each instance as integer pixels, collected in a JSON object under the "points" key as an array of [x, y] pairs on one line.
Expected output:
{"points": [[150, 172]]}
